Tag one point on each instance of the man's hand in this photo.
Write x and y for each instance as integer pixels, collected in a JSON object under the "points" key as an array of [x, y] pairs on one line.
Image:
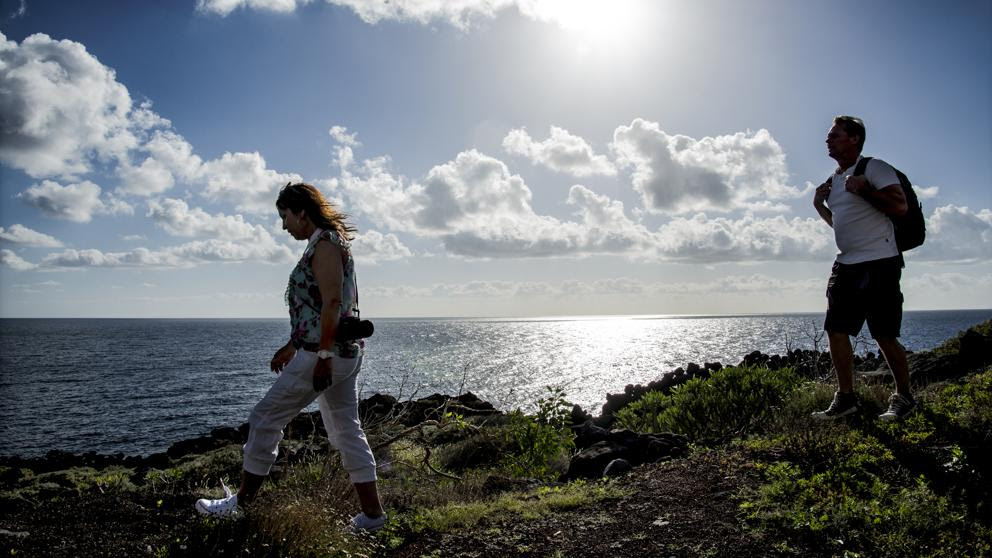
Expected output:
{"points": [[322, 374], [821, 194], [856, 185], [282, 358]]}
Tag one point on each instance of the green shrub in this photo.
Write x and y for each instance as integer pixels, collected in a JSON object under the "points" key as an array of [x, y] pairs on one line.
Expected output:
{"points": [[540, 443], [967, 405], [849, 505], [731, 402]]}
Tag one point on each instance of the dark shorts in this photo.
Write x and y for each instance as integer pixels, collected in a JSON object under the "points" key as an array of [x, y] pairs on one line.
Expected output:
{"points": [[865, 291]]}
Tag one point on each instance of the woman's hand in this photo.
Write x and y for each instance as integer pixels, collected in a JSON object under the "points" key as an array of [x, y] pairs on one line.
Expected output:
{"points": [[322, 374], [282, 358]]}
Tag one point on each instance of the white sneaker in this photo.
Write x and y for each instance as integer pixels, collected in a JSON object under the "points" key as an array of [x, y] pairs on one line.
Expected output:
{"points": [[225, 507], [363, 523]]}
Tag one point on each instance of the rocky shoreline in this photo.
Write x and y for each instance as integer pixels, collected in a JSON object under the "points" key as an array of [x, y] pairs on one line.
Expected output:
{"points": [[592, 432]]}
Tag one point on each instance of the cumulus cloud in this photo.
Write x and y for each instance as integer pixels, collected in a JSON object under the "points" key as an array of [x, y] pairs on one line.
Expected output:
{"points": [[225, 7], [561, 152], [460, 13], [62, 109], [472, 204], [19, 234], [9, 258], [185, 255], [179, 219], [957, 234], [64, 113], [477, 208], [372, 247], [926, 193], [701, 238], [73, 202], [679, 174], [229, 237], [948, 282], [244, 180]]}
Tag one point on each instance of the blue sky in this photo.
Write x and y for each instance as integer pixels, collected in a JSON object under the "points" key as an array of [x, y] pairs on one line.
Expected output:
{"points": [[500, 157]]}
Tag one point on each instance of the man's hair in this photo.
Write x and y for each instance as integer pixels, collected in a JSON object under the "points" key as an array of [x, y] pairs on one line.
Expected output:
{"points": [[853, 126], [304, 197]]}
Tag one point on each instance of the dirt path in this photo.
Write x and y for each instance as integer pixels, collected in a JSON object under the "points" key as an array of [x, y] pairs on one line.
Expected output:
{"points": [[685, 507]]}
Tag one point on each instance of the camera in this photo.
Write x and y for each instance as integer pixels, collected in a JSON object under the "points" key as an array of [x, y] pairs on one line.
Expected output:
{"points": [[352, 328]]}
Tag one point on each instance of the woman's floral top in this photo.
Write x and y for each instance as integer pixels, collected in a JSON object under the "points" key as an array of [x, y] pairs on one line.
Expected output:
{"points": [[304, 300]]}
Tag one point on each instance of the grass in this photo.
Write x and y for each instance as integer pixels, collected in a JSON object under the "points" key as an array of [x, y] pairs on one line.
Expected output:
{"points": [[532, 504]]}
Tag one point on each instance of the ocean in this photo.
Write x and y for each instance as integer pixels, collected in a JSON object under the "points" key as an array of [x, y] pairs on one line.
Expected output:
{"points": [[135, 386]]}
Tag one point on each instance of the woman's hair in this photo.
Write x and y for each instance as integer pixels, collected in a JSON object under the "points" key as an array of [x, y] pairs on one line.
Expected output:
{"points": [[304, 197]]}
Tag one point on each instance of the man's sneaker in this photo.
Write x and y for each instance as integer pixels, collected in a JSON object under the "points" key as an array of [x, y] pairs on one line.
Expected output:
{"points": [[842, 405], [362, 523], [225, 507], [899, 407]]}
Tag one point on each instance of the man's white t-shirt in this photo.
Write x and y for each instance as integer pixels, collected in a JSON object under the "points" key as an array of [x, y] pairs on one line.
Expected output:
{"points": [[862, 232]]}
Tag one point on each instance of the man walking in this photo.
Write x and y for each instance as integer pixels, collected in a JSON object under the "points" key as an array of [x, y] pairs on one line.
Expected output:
{"points": [[864, 281]]}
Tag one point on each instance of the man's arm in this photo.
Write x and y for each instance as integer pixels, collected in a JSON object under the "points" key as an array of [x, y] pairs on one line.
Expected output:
{"points": [[819, 197], [890, 200]]}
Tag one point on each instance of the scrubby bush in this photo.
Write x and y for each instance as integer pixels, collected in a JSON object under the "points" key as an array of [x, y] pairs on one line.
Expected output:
{"points": [[731, 402], [540, 444]]}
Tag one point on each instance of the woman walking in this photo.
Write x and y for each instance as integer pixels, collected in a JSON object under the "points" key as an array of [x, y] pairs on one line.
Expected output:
{"points": [[313, 364]]}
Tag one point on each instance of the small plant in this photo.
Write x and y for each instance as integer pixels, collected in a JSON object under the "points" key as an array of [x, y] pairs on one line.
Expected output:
{"points": [[541, 443]]}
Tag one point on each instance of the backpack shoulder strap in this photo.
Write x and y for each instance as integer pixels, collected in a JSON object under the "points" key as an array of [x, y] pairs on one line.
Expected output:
{"points": [[859, 169]]}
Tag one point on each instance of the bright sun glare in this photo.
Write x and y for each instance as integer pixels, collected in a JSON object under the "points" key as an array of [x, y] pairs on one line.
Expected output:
{"points": [[598, 23]]}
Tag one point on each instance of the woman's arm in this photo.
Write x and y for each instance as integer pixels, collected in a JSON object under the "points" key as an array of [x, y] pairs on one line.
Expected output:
{"points": [[328, 271]]}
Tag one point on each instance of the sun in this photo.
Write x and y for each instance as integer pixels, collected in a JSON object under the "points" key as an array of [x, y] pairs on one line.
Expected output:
{"points": [[595, 23]]}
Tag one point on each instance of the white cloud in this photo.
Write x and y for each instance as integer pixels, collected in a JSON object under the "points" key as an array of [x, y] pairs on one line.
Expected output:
{"points": [[73, 202], [185, 255], [178, 219], [147, 179], [700, 238], [341, 136], [926, 193], [372, 247], [561, 152], [134, 237], [957, 234], [461, 14], [477, 208], [947, 282], [62, 109], [21, 11], [10, 259], [225, 7], [679, 174], [19, 234], [243, 180]]}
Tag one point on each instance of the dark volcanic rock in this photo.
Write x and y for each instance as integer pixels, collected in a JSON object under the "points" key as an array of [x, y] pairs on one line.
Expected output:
{"points": [[633, 447], [617, 467], [590, 462]]}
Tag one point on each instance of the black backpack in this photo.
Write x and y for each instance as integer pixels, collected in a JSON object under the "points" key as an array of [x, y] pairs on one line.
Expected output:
{"points": [[911, 229]]}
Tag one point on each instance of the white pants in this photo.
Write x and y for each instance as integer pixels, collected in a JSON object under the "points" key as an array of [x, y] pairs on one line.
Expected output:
{"points": [[291, 393]]}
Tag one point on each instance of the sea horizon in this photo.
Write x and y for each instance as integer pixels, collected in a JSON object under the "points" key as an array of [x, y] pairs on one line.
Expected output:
{"points": [[551, 317]]}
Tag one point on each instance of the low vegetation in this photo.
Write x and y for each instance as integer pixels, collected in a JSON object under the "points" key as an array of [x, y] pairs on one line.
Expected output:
{"points": [[856, 487]]}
